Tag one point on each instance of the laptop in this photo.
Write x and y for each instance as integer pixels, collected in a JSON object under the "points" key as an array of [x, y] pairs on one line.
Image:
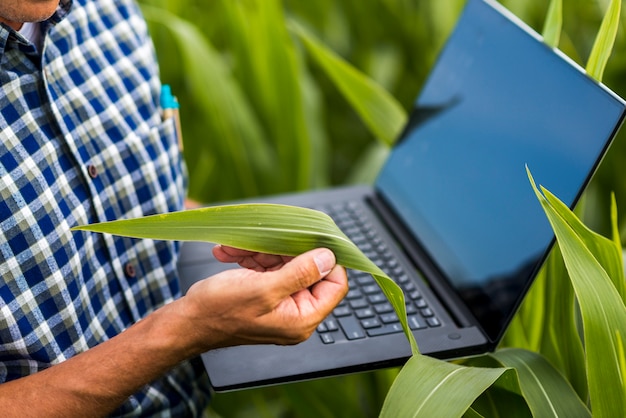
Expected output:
{"points": [[451, 217]]}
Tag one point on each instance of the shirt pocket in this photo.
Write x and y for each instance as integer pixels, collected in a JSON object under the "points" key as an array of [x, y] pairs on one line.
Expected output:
{"points": [[157, 168]]}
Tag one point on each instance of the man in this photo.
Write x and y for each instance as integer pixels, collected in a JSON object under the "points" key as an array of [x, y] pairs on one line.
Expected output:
{"points": [[92, 324]]}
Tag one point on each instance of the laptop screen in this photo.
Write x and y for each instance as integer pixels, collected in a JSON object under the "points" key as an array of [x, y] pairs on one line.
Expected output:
{"points": [[498, 99]]}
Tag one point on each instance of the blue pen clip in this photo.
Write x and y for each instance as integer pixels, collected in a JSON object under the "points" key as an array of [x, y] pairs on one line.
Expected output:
{"points": [[168, 101], [170, 107]]}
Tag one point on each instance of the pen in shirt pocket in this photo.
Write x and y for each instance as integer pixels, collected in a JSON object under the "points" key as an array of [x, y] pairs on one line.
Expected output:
{"points": [[170, 107]]}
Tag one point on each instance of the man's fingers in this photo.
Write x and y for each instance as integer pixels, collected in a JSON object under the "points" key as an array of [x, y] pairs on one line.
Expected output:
{"points": [[249, 259], [229, 254], [302, 272]]}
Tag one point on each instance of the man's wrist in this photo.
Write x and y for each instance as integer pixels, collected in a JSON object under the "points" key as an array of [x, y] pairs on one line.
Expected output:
{"points": [[170, 334]]}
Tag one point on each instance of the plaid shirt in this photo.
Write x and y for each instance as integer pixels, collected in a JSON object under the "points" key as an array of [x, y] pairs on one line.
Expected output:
{"points": [[82, 141]]}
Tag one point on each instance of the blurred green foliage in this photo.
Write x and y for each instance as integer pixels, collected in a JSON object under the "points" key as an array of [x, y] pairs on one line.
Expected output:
{"points": [[261, 117]]}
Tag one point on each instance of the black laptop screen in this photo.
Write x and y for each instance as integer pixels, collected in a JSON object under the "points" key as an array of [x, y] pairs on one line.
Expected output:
{"points": [[497, 100]]}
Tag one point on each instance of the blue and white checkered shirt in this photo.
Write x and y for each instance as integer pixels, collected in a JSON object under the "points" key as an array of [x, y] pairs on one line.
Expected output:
{"points": [[82, 141]]}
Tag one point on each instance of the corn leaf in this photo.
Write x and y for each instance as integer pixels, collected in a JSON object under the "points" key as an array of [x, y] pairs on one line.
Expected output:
{"points": [[502, 399], [622, 357], [603, 45], [270, 74], [384, 116], [554, 23], [427, 387], [601, 306], [268, 228], [617, 266], [546, 323], [546, 392], [226, 111], [471, 413], [560, 326]]}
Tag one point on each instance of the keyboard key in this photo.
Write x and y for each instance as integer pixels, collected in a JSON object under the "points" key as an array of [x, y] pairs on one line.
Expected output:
{"points": [[383, 308], [384, 330], [365, 280], [342, 311], [352, 231], [421, 303], [359, 303], [331, 324], [370, 323], [392, 264], [377, 298], [416, 322], [372, 288], [364, 313], [351, 328], [415, 294], [389, 318], [322, 328], [398, 271], [427, 312], [409, 286], [357, 273], [433, 322], [327, 338], [382, 248], [403, 278], [354, 293], [373, 255]]}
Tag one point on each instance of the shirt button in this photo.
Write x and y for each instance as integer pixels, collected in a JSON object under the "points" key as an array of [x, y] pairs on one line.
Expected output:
{"points": [[92, 170], [129, 271]]}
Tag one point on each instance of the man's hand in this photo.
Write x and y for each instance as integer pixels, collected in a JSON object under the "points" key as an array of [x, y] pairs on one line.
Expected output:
{"points": [[277, 299]]}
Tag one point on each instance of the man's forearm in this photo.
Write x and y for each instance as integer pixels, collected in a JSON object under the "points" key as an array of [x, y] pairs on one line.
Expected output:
{"points": [[96, 382]]}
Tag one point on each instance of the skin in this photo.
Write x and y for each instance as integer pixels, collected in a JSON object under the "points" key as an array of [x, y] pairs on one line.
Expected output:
{"points": [[278, 300], [16, 12]]}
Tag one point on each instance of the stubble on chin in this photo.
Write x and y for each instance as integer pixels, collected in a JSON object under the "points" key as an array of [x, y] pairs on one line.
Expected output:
{"points": [[16, 12]]}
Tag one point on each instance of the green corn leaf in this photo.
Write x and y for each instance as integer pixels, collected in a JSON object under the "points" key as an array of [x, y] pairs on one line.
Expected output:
{"points": [[603, 45], [504, 398], [272, 77], [604, 250], [554, 23], [617, 266], [427, 387], [268, 228], [560, 327], [545, 323], [470, 413], [622, 357], [546, 392], [601, 306], [384, 116], [225, 109]]}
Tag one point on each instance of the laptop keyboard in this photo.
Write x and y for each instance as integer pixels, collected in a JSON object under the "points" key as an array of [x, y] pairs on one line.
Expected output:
{"points": [[365, 311]]}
